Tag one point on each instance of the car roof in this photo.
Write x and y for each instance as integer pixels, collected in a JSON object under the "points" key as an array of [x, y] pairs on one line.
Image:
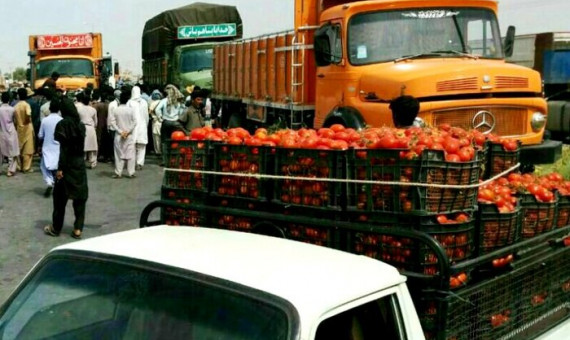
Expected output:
{"points": [[314, 279]]}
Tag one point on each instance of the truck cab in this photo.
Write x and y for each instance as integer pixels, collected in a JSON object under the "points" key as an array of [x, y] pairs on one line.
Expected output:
{"points": [[192, 65], [77, 58]]}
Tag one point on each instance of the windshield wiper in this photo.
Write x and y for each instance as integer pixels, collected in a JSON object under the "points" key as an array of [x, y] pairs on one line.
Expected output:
{"points": [[458, 53], [416, 56]]}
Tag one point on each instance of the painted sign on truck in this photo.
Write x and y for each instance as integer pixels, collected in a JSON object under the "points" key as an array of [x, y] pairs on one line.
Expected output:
{"points": [[207, 31]]}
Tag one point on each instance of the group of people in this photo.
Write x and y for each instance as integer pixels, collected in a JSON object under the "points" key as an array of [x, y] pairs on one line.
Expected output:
{"points": [[96, 125]]}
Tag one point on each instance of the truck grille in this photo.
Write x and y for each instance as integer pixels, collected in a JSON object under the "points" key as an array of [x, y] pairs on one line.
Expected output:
{"points": [[503, 82], [457, 85], [509, 121]]}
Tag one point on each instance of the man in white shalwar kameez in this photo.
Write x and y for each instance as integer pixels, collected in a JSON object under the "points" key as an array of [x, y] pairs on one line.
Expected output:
{"points": [[140, 106], [88, 116], [124, 123], [50, 147], [9, 145]]}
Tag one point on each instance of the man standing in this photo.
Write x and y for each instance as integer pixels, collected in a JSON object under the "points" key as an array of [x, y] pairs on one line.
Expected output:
{"points": [[156, 96], [23, 120], [52, 82], [124, 123], [104, 138], [50, 147], [192, 118], [168, 112], [140, 106], [9, 146], [44, 109], [88, 116]]}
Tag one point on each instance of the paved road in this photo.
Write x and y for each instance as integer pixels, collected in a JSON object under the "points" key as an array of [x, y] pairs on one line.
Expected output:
{"points": [[114, 205]]}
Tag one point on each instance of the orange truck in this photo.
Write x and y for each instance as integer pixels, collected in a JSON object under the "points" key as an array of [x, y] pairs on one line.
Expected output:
{"points": [[78, 58], [344, 62]]}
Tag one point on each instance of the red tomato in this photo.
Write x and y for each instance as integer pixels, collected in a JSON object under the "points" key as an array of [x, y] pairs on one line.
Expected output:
{"points": [[462, 218], [442, 219], [234, 140], [177, 135], [453, 158], [337, 127], [326, 133], [510, 145], [451, 145], [464, 154], [388, 142], [198, 134]]}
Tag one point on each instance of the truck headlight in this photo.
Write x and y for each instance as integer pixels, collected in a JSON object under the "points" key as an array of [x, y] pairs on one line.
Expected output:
{"points": [[538, 121]]}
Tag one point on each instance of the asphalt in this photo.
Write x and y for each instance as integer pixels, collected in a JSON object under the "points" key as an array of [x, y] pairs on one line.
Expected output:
{"points": [[114, 205]]}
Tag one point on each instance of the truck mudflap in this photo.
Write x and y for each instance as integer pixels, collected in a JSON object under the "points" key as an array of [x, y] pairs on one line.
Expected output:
{"points": [[547, 152], [525, 297]]}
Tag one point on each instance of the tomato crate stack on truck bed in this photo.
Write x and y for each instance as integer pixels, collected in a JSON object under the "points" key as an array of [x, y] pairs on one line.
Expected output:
{"points": [[482, 262], [78, 58], [345, 60], [177, 44]]}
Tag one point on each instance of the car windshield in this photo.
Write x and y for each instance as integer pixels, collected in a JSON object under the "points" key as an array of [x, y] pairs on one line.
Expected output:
{"points": [[196, 60], [65, 67], [449, 32], [90, 299]]}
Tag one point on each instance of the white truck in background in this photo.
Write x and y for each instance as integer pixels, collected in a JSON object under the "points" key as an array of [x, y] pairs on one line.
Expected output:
{"points": [[198, 283]]}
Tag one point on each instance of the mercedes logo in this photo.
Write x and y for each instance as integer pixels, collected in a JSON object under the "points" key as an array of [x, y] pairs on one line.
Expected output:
{"points": [[484, 121]]}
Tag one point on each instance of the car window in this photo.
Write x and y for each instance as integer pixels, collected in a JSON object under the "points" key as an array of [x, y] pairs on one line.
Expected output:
{"points": [[378, 319], [82, 299]]}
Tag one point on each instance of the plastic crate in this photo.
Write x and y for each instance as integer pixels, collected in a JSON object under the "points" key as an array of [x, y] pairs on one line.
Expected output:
{"points": [[180, 216], [435, 170], [380, 165], [561, 279], [455, 317], [327, 236], [563, 211], [236, 221], [314, 164], [184, 155], [499, 160], [502, 306], [241, 159], [537, 217], [497, 230], [457, 240]]}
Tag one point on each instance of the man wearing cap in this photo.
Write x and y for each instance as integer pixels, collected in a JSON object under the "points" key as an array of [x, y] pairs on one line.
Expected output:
{"points": [[23, 122], [192, 118]]}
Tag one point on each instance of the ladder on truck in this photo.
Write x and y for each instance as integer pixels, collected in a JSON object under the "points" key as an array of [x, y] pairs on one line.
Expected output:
{"points": [[297, 79]]}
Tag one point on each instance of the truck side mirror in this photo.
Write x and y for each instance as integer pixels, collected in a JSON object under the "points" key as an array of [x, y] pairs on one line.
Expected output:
{"points": [[322, 46], [116, 69], [509, 43]]}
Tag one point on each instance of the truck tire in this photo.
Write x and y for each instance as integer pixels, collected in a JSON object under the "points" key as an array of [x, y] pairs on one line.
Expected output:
{"points": [[346, 116], [236, 120]]}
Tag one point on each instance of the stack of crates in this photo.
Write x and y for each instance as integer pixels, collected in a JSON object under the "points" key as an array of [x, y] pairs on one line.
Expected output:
{"points": [[183, 187]]}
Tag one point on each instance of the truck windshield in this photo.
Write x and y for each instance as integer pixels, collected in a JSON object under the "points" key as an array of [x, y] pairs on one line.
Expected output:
{"points": [[90, 299], [65, 67], [449, 32], [196, 60]]}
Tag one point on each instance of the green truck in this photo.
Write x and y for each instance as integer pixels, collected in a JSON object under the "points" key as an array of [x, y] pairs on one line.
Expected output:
{"points": [[177, 44]]}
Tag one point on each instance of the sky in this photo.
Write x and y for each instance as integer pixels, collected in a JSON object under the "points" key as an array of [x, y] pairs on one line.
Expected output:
{"points": [[121, 22]]}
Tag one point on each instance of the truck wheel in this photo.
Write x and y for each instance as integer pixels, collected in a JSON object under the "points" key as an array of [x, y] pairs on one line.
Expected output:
{"points": [[268, 229], [236, 120]]}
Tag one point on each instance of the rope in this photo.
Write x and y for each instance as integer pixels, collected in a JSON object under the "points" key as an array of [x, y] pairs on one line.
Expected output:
{"points": [[352, 181]]}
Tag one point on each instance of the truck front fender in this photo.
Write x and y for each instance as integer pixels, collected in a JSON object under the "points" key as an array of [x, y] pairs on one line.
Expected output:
{"points": [[347, 116]]}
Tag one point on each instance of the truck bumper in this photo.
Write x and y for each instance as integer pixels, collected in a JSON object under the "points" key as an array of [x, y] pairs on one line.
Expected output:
{"points": [[547, 152]]}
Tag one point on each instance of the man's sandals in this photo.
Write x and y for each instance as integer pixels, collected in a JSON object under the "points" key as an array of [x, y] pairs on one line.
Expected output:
{"points": [[48, 229]]}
